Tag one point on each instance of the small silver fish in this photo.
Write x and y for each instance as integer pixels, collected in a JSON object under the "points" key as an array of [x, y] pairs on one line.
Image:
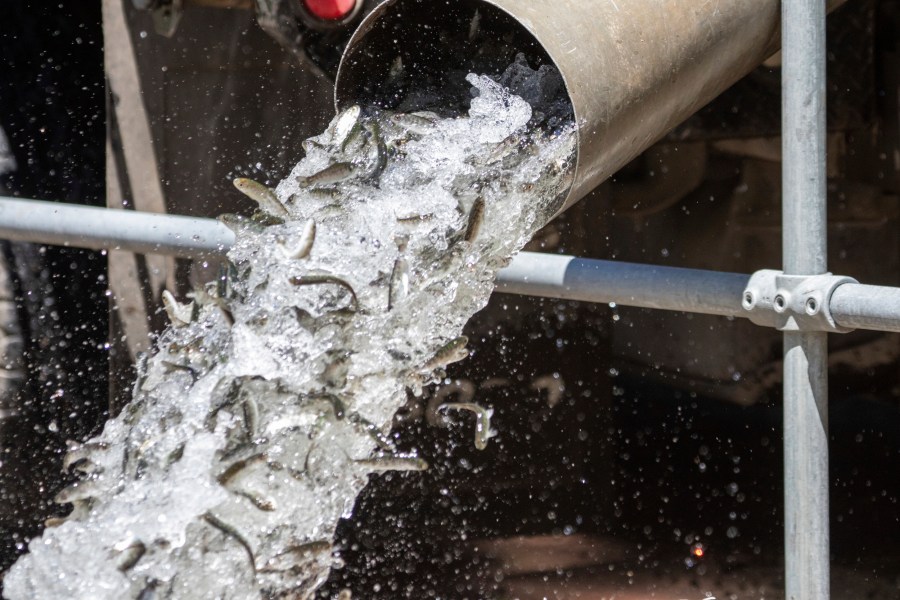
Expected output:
{"points": [[304, 247], [476, 217], [140, 367], [504, 150], [399, 288], [372, 430], [346, 122], [426, 115], [175, 455], [264, 196], [462, 389], [78, 452], [324, 192], [181, 315], [474, 25], [418, 123], [87, 466], [381, 153], [174, 367], [128, 554], [251, 417], [393, 463], [352, 136], [414, 218], [494, 382], [296, 556], [80, 490], [554, 386], [258, 500], [311, 144], [331, 174], [325, 280], [330, 210], [483, 416], [231, 532], [264, 219], [336, 403], [149, 591], [396, 69], [453, 351], [237, 467]]}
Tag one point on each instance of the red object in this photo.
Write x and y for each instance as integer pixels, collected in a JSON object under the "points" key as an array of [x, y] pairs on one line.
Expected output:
{"points": [[330, 10]]}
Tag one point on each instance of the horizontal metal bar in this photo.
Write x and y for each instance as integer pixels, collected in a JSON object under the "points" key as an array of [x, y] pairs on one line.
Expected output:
{"points": [[628, 284], [858, 306], [63, 224], [853, 306]]}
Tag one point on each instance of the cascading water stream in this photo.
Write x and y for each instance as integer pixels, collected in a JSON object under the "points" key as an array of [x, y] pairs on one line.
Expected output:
{"points": [[267, 403]]}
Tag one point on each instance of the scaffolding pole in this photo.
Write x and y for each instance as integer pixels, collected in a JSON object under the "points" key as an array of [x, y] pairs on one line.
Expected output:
{"points": [[804, 227], [852, 305], [61, 224]]}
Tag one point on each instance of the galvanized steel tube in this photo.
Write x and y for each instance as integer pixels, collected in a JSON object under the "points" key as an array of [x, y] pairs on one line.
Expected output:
{"points": [[102, 228], [859, 306], [853, 305], [804, 223], [628, 284], [806, 529]]}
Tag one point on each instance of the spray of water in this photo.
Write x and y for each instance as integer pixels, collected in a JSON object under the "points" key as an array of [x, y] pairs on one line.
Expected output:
{"points": [[269, 400]]}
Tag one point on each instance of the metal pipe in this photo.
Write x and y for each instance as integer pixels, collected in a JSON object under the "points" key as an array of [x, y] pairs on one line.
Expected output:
{"points": [[628, 284], [854, 306], [633, 69], [806, 533], [804, 227], [858, 306], [101, 228]]}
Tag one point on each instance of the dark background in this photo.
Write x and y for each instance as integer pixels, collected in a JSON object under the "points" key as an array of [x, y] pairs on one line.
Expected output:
{"points": [[52, 111]]}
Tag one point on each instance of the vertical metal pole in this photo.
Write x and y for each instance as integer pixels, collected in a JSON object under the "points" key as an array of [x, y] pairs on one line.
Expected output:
{"points": [[805, 354]]}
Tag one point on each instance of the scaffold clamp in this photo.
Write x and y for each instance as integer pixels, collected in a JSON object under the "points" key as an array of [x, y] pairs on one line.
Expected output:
{"points": [[793, 302]]}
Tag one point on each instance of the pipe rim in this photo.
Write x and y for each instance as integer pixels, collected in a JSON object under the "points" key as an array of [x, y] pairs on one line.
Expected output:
{"points": [[343, 98]]}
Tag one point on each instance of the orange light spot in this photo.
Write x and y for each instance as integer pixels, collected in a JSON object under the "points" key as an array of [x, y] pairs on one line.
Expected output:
{"points": [[698, 551]]}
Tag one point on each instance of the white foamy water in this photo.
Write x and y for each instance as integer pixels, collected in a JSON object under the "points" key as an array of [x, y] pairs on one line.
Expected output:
{"points": [[257, 420]]}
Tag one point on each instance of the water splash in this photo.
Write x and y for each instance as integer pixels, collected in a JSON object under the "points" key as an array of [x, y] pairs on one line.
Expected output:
{"points": [[267, 403]]}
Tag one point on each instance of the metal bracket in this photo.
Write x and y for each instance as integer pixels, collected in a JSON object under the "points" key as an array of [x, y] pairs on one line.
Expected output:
{"points": [[793, 302]]}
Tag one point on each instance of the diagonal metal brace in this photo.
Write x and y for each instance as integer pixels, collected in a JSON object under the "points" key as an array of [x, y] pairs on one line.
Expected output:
{"points": [[793, 302]]}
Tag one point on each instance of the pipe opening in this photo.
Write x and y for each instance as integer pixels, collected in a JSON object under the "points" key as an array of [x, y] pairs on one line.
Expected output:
{"points": [[411, 55]]}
